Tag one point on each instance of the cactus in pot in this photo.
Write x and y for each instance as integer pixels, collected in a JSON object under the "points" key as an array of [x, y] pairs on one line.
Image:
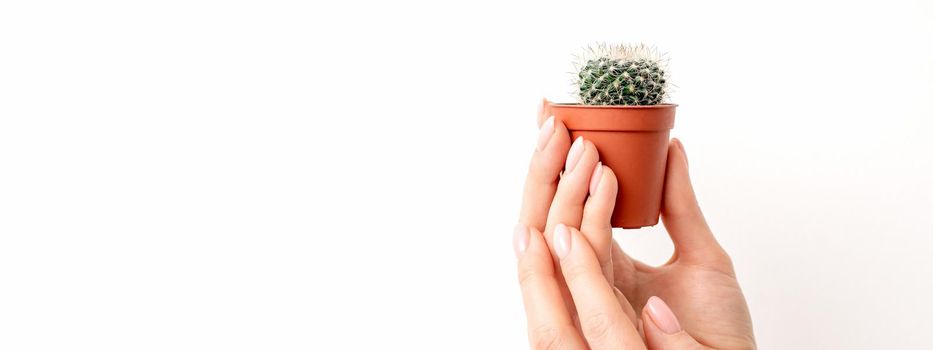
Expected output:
{"points": [[622, 91]]}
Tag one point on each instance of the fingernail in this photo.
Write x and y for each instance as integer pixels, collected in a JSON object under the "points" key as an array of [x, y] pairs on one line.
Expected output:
{"points": [[561, 240], [662, 315], [547, 129], [576, 150], [597, 175], [520, 240]]}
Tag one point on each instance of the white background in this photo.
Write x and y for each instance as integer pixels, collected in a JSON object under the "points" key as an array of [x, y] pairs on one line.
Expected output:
{"points": [[231, 174]]}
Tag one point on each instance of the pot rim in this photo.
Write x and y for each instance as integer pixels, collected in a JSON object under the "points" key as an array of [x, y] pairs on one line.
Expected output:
{"points": [[580, 105], [615, 118]]}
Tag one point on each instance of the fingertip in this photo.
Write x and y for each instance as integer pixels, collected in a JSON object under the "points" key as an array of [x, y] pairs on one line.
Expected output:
{"points": [[678, 191], [561, 130], [652, 333], [591, 146], [602, 199], [536, 255], [544, 110], [561, 139], [596, 179], [562, 240], [569, 241], [662, 315], [535, 240], [550, 154], [520, 240], [662, 330], [679, 147], [609, 183]]}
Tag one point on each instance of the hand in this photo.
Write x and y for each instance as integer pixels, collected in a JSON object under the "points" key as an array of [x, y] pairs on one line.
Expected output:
{"points": [[589, 298]]}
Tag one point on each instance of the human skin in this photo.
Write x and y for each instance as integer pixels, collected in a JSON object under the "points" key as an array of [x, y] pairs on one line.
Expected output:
{"points": [[581, 290]]}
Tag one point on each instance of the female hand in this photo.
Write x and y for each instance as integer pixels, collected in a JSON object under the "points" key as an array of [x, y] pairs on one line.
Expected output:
{"points": [[581, 290]]}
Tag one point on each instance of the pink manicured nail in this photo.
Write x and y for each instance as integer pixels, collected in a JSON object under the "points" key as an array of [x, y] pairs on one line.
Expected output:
{"points": [[520, 240], [662, 315], [576, 151], [597, 175], [561, 240], [547, 129]]}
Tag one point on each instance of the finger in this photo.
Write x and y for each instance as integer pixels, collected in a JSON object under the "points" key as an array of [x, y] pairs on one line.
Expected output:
{"points": [[548, 320], [572, 190], [602, 321], [544, 173], [566, 206], [597, 212], [681, 214], [662, 330]]}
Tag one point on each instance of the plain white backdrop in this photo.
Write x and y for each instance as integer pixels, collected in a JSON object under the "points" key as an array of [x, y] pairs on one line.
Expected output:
{"points": [[286, 174]]}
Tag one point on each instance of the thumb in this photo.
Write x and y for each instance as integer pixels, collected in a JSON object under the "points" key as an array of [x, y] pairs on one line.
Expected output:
{"points": [[682, 216], [662, 330]]}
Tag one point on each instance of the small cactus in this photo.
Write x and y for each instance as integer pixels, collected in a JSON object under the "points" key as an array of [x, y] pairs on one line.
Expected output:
{"points": [[621, 75]]}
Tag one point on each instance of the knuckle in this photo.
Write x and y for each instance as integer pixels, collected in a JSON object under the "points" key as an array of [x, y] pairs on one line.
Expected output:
{"points": [[597, 325], [528, 274], [723, 262], [547, 337], [726, 259], [575, 274], [544, 168]]}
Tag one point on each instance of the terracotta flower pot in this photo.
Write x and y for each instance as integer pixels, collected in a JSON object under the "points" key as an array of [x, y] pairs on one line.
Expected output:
{"points": [[632, 141]]}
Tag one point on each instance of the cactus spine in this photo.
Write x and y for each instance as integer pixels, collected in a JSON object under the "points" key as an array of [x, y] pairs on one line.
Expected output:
{"points": [[621, 75]]}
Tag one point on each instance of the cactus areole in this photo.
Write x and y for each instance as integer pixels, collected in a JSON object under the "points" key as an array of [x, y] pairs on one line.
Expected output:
{"points": [[622, 109]]}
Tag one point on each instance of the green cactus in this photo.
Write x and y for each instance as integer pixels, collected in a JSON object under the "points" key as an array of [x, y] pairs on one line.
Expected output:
{"points": [[622, 75]]}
